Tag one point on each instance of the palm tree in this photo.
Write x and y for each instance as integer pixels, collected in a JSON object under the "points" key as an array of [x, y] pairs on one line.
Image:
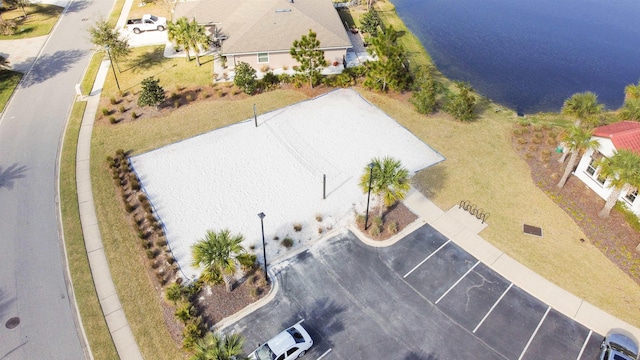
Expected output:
{"points": [[389, 180], [630, 110], [577, 140], [220, 254], [632, 92], [188, 35], [214, 347], [623, 172], [582, 106]]}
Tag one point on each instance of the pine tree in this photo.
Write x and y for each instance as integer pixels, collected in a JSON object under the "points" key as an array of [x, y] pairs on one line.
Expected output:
{"points": [[389, 72], [245, 78], [424, 99], [152, 93], [462, 105], [307, 53]]}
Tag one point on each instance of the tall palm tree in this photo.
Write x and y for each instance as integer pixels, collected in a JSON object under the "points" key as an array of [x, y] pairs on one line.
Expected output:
{"points": [[583, 107], [188, 35], [622, 170], [214, 347], [577, 140], [632, 92], [630, 109], [389, 180], [220, 254]]}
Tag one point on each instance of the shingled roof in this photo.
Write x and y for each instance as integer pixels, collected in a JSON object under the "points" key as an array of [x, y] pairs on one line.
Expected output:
{"points": [[253, 26], [623, 135]]}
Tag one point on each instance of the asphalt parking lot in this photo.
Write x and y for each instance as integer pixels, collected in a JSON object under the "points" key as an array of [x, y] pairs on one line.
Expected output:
{"points": [[422, 298]]}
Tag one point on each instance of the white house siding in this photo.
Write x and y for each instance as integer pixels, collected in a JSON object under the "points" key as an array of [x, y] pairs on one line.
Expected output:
{"points": [[281, 59], [607, 149]]}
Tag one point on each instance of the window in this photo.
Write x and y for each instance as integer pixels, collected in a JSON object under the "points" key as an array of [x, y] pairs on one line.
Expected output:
{"points": [[281, 357], [631, 196], [291, 351], [591, 169], [263, 58]]}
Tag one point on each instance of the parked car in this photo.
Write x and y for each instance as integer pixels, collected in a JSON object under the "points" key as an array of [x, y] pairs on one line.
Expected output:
{"points": [[288, 345], [146, 23], [619, 344]]}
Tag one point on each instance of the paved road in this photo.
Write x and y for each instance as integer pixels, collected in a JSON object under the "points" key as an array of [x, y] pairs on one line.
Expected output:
{"points": [[33, 277], [437, 302]]}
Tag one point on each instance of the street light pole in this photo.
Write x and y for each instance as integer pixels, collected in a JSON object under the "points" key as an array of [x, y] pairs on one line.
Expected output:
{"points": [[114, 70], [366, 217], [264, 250]]}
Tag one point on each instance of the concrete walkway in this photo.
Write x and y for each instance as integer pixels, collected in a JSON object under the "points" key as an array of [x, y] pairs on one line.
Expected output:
{"points": [[119, 328], [463, 228]]}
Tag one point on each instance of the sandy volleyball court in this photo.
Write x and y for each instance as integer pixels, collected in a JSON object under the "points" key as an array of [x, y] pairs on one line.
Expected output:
{"points": [[224, 178]]}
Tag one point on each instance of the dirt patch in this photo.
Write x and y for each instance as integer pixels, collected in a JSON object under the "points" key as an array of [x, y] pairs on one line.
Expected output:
{"points": [[393, 220], [536, 144]]}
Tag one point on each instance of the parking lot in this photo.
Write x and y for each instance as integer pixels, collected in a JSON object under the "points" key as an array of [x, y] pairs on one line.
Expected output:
{"points": [[422, 298]]}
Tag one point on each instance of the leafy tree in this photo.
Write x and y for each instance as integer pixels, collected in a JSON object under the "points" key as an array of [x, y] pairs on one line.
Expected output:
{"points": [[152, 93], [622, 170], [221, 253], [8, 27], [630, 110], [245, 78], [4, 63], [103, 35], [307, 53], [22, 4], [577, 140], [632, 92], [583, 107], [390, 180], [389, 72], [189, 35], [462, 105], [369, 22], [215, 347], [424, 99]]}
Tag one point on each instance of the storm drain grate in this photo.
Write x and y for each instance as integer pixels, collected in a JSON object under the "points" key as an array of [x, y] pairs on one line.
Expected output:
{"points": [[532, 230], [12, 323]]}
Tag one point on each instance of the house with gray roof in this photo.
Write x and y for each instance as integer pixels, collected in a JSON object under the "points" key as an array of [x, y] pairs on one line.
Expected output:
{"points": [[261, 32]]}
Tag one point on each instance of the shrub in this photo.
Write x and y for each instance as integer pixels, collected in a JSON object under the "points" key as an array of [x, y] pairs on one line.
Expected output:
{"points": [[253, 292], [105, 111], [191, 333], [319, 217], [161, 242], [522, 141], [245, 78], [189, 97], [129, 208], [152, 93], [297, 227], [113, 101], [392, 228], [151, 254], [174, 293], [264, 68], [185, 312], [360, 219], [112, 120], [377, 221], [320, 230], [121, 109], [276, 238], [174, 96], [287, 242], [374, 230], [176, 104]]}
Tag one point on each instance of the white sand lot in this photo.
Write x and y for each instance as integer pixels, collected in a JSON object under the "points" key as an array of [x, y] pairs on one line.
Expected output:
{"points": [[224, 178]]}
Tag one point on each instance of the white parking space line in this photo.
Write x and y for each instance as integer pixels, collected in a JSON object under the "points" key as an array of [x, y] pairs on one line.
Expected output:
{"points": [[584, 346], [493, 307], [456, 283], [325, 354], [534, 333], [425, 259]]}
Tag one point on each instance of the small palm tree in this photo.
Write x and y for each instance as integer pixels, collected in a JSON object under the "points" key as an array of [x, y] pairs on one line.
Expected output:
{"points": [[632, 92], [214, 347], [389, 180], [189, 35], [622, 170], [577, 140], [583, 107], [221, 254]]}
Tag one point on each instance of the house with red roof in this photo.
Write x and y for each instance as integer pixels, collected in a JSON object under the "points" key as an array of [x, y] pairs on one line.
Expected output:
{"points": [[611, 138]]}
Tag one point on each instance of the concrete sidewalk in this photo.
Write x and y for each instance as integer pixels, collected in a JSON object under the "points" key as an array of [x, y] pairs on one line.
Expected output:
{"points": [[463, 228], [111, 307]]}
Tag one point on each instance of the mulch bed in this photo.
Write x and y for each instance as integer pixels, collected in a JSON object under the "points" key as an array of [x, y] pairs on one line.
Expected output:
{"points": [[398, 213], [616, 239]]}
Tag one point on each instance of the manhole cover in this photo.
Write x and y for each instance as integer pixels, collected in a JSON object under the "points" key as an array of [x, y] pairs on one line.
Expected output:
{"points": [[532, 230], [12, 323]]}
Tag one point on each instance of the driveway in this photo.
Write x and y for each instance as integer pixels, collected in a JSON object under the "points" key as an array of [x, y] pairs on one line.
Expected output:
{"points": [[422, 298]]}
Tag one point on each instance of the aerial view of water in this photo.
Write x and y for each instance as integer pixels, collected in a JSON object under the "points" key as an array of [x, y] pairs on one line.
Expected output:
{"points": [[531, 55]]}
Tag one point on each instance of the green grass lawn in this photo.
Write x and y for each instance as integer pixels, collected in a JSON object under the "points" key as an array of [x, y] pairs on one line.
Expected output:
{"points": [[480, 166], [91, 72], [40, 20], [8, 82]]}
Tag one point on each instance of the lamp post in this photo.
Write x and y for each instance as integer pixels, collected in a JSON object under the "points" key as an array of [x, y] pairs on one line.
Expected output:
{"points": [[366, 217], [264, 250], [114, 70]]}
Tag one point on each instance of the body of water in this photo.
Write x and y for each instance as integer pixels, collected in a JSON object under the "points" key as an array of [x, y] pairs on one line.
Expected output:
{"points": [[530, 55]]}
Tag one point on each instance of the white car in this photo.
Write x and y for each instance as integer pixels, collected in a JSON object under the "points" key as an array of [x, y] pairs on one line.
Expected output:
{"points": [[619, 344], [289, 344]]}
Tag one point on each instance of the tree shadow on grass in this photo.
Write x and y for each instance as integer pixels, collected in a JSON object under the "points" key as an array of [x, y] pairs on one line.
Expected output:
{"points": [[48, 66], [146, 61], [431, 180]]}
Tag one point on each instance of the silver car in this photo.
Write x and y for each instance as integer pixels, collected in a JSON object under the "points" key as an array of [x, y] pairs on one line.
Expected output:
{"points": [[619, 344], [288, 345]]}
